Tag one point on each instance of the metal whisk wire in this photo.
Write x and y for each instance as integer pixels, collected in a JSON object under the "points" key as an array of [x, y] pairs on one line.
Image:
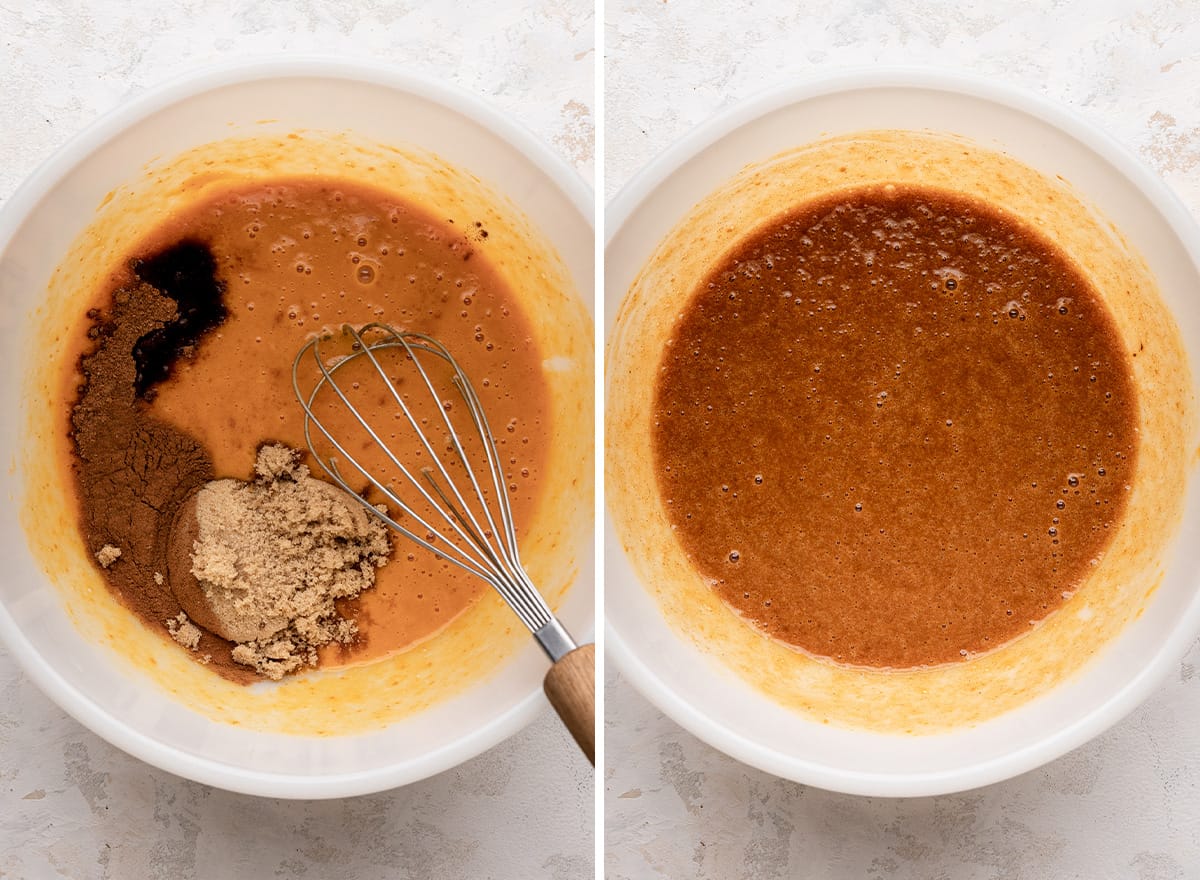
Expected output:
{"points": [[481, 548]]}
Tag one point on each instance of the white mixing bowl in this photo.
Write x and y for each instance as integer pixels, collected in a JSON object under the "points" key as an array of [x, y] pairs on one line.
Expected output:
{"points": [[688, 681], [91, 680]]}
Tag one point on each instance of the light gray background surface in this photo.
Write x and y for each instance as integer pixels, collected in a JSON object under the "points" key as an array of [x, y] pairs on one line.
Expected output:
{"points": [[1128, 804], [71, 805]]}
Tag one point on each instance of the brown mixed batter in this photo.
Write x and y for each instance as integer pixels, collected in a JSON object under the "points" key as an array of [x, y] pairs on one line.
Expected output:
{"points": [[895, 428], [185, 372]]}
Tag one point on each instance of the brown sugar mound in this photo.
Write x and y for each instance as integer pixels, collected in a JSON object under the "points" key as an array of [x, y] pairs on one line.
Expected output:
{"points": [[262, 563]]}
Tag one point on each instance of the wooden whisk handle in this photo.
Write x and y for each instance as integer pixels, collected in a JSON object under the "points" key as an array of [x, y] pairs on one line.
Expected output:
{"points": [[570, 686]]}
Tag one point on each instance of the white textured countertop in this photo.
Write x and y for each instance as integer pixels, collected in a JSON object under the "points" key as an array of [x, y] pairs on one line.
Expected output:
{"points": [[71, 805], [1128, 804]]}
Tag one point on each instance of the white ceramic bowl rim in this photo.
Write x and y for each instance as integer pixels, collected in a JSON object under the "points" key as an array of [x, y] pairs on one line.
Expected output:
{"points": [[14, 213], [1121, 702]]}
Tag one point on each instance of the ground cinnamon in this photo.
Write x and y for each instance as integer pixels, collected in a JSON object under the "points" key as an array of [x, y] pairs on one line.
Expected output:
{"points": [[133, 471]]}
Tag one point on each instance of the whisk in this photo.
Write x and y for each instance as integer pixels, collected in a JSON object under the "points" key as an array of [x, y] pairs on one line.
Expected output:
{"points": [[467, 518]]}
